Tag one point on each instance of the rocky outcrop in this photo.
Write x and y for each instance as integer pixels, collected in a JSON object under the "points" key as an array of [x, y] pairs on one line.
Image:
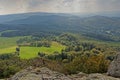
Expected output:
{"points": [[114, 68], [94, 76], [39, 74], [46, 74], [97, 76]]}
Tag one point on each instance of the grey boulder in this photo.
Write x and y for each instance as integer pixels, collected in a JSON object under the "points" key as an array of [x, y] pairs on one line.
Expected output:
{"points": [[114, 68]]}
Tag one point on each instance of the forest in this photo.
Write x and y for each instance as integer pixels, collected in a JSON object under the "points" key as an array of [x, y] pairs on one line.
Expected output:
{"points": [[75, 55]]}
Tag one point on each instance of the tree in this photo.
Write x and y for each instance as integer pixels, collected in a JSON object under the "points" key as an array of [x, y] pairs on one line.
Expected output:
{"points": [[18, 51]]}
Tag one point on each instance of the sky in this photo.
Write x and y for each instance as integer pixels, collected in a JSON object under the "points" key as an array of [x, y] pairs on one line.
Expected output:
{"points": [[59, 6]]}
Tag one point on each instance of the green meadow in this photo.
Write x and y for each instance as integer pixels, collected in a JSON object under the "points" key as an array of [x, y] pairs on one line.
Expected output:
{"points": [[7, 50], [6, 42], [31, 52], [8, 45]]}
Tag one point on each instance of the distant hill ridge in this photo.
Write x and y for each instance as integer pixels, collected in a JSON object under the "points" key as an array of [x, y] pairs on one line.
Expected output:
{"points": [[99, 27]]}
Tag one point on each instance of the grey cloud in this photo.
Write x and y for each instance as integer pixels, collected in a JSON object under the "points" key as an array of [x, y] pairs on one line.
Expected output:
{"points": [[70, 6]]}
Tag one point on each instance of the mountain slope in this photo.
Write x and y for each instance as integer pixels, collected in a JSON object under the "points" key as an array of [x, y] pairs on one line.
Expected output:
{"points": [[99, 27]]}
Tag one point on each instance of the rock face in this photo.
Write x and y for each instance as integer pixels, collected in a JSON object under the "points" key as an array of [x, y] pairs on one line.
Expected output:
{"points": [[39, 74], [94, 76], [114, 68], [46, 74]]}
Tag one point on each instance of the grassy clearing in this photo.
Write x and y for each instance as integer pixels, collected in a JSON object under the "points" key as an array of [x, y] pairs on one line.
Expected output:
{"points": [[31, 52], [7, 50], [8, 45], [6, 42]]}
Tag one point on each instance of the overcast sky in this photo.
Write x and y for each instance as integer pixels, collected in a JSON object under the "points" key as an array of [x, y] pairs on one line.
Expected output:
{"points": [[59, 6]]}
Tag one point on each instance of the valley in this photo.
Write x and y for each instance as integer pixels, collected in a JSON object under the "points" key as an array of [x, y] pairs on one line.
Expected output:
{"points": [[66, 43]]}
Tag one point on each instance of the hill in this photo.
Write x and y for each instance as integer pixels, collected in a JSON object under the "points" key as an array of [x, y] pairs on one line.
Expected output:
{"points": [[98, 27]]}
